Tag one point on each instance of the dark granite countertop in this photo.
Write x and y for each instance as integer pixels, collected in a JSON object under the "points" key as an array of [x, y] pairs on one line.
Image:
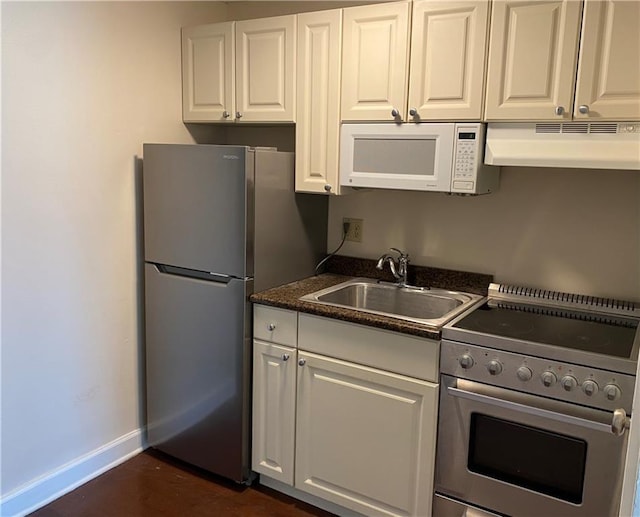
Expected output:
{"points": [[340, 269]]}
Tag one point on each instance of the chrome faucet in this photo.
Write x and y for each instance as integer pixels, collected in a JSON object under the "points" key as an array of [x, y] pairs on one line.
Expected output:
{"points": [[398, 271]]}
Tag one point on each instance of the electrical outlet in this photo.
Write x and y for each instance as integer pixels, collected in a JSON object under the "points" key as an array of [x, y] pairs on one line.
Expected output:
{"points": [[355, 229]]}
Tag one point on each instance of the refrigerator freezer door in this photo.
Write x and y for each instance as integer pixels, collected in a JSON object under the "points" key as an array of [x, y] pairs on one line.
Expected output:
{"points": [[197, 350], [195, 207]]}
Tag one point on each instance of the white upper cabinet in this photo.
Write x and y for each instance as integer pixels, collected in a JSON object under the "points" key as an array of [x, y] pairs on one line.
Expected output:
{"points": [[375, 62], [318, 101], [608, 84], [532, 59], [240, 71], [447, 68], [442, 80], [542, 60], [208, 79], [265, 69]]}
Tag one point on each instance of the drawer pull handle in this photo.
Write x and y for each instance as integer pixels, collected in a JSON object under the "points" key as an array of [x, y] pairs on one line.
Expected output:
{"points": [[302, 362], [285, 357], [271, 326]]}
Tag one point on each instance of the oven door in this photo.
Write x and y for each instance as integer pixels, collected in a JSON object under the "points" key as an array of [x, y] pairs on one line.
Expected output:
{"points": [[519, 454]]}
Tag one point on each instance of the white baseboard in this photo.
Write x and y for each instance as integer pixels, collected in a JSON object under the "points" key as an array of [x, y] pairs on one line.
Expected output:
{"points": [[45, 489]]}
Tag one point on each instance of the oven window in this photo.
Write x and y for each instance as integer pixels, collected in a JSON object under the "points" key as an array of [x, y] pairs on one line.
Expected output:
{"points": [[532, 458]]}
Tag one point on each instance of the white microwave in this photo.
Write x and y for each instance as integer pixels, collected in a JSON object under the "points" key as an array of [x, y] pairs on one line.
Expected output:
{"points": [[438, 157]]}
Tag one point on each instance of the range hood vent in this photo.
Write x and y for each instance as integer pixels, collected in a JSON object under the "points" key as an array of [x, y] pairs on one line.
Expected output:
{"points": [[586, 145], [609, 128]]}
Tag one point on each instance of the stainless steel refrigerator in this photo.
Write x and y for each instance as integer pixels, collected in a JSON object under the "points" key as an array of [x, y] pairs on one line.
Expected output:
{"points": [[220, 222]]}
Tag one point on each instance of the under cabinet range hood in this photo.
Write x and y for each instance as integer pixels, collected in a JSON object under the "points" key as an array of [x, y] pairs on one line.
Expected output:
{"points": [[585, 145]]}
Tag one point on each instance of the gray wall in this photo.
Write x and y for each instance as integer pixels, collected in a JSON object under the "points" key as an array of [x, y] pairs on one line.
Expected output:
{"points": [[571, 230]]}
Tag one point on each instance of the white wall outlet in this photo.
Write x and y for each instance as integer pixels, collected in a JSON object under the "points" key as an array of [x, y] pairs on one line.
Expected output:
{"points": [[355, 229]]}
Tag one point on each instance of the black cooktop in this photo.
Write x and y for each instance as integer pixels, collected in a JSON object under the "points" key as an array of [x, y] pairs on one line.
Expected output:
{"points": [[585, 331]]}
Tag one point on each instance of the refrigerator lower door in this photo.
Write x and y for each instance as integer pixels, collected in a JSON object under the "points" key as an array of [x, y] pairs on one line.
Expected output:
{"points": [[197, 350]]}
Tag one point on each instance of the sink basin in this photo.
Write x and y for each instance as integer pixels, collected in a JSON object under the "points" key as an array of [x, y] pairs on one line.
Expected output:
{"points": [[432, 307]]}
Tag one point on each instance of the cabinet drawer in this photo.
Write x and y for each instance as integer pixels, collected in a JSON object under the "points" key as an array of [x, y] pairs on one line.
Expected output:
{"points": [[275, 325], [391, 351]]}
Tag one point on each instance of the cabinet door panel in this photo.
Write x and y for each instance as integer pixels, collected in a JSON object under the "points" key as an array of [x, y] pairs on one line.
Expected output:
{"points": [[265, 69], [532, 59], [374, 61], [609, 65], [274, 392], [448, 46], [365, 438], [208, 74], [318, 101]]}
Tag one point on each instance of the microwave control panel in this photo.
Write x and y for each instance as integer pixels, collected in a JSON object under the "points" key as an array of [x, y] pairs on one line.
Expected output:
{"points": [[466, 156], [470, 175]]}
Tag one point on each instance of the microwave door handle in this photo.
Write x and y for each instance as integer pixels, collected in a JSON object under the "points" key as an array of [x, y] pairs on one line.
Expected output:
{"points": [[616, 427]]}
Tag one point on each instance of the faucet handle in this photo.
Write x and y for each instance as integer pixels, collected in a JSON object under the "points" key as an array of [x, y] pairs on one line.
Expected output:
{"points": [[401, 253]]}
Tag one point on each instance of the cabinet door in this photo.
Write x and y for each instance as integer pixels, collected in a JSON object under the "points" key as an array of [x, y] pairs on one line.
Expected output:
{"points": [[608, 85], [532, 59], [274, 398], [448, 47], [375, 62], [265, 69], [208, 76], [365, 438], [318, 101]]}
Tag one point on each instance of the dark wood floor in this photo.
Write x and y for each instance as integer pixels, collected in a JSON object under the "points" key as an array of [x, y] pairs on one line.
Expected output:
{"points": [[154, 485]]}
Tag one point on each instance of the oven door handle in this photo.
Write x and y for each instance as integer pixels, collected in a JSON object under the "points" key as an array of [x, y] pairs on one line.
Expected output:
{"points": [[619, 423]]}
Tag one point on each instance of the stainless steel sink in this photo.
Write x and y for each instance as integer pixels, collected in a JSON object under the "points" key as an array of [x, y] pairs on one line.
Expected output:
{"points": [[432, 307]]}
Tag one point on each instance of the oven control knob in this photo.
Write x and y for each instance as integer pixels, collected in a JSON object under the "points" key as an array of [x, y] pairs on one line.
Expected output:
{"points": [[612, 392], [466, 361], [494, 367], [548, 378], [590, 387], [569, 382], [524, 373]]}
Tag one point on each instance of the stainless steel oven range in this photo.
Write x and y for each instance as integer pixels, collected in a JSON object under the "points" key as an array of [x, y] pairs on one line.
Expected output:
{"points": [[536, 393]]}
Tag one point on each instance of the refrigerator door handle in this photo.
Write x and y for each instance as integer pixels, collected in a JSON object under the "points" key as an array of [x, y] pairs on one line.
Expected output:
{"points": [[193, 273]]}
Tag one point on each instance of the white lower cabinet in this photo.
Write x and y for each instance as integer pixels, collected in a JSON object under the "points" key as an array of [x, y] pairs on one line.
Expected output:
{"points": [[365, 439], [331, 423], [274, 410]]}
